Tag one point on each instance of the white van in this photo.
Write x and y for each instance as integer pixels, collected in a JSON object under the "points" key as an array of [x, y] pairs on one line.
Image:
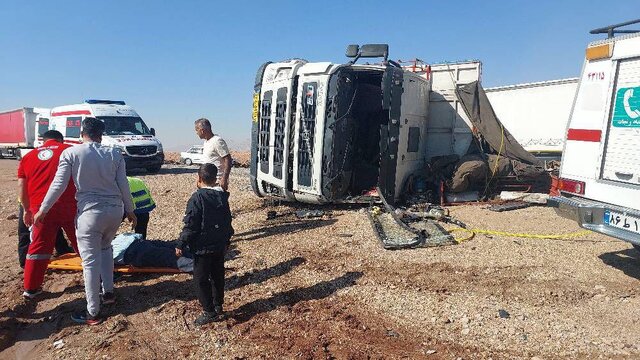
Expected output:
{"points": [[124, 129], [600, 172]]}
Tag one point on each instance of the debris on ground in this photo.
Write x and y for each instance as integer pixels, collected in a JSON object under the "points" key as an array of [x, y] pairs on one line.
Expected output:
{"points": [[504, 314], [532, 198], [512, 205], [307, 214]]}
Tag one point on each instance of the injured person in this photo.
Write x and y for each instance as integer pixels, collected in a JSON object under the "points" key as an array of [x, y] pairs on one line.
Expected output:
{"points": [[132, 249]]}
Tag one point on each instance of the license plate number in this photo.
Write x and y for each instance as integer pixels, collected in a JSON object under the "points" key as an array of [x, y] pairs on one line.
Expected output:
{"points": [[622, 221]]}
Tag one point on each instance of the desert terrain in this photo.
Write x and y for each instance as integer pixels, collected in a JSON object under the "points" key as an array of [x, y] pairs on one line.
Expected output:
{"points": [[324, 288]]}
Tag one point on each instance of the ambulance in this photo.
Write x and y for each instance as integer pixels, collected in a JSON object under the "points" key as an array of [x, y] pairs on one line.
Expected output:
{"points": [[600, 173], [124, 129]]}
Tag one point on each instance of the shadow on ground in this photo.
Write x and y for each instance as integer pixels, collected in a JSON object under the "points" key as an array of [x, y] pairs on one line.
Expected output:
{"points": [[282, 227], [628, 261], [287, 298], [135, 297]]}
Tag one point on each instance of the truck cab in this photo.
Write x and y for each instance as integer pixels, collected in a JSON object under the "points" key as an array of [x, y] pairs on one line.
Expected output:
{"points": [[124, 129], [325, 132], [600, 172]]}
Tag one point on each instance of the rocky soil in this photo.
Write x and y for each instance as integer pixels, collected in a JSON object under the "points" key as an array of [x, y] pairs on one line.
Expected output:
{"points": [[324, 288]]}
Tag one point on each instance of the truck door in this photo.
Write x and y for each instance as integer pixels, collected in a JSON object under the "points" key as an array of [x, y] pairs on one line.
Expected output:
{"points": [[390, 132], [272, 121], [622, 147]]}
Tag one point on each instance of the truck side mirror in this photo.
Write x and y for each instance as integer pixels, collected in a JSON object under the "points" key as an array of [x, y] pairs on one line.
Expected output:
{"points": [[352, 51], [153, 131]]}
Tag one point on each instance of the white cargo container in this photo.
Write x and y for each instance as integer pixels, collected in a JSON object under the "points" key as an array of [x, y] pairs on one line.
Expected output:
{"points": [[536, 114]]}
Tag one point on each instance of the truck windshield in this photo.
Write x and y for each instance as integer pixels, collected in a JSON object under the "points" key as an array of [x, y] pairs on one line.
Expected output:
{"points": [[124, 125]]}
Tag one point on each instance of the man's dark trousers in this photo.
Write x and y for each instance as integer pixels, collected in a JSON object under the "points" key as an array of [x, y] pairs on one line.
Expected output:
{"points": [[141, 224], [208, 278]]}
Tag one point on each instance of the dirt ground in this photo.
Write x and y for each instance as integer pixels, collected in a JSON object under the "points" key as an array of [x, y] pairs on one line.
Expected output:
{"points": [[324, 288]]}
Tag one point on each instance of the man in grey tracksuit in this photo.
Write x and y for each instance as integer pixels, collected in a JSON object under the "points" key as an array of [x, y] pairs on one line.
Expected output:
{"points": [[103, 196]]}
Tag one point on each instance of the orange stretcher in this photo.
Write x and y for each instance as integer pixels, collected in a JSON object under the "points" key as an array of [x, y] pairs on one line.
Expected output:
{"points": [[74, 263]]}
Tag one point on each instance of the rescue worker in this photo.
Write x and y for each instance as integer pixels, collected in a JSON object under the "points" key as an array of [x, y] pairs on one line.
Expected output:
{"points": [[36, 172], [99, 174], [142, 202], [215, 151]]}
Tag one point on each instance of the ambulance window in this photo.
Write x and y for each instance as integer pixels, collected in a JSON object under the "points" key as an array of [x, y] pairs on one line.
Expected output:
{"points": [[139, 127], [43, 126], [73, 127]]}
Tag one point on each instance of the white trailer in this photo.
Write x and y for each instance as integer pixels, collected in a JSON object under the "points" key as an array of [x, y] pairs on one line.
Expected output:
{"points": [[536, 114]]}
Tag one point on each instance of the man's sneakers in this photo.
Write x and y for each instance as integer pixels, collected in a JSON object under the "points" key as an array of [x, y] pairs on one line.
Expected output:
{"points": [[31, 294], [83, 317], [209, 316], [108, 298]]}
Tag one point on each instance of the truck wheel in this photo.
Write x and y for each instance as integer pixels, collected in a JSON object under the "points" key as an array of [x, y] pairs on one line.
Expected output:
{"points": [[154, 169], [188, 162]]}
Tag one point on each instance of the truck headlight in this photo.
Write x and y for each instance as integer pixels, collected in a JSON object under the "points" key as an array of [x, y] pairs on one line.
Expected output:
{"points": [[159, 147]]}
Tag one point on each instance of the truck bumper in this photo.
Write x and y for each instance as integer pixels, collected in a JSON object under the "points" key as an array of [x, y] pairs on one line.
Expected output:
{"points": [[143, 162], [589, 214]]}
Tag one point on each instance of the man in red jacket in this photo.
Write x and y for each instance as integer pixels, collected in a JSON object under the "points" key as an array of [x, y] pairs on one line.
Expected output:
{"points": [[35, 173]]}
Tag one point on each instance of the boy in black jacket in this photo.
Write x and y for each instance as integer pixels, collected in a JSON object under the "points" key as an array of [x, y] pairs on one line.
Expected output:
{"points": [[206, 233]]}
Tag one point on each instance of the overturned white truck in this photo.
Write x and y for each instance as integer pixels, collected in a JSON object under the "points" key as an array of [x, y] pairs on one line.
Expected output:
{"points": [[325, 132]]}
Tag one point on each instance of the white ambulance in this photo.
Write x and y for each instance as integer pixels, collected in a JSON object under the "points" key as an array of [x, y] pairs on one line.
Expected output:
{"points": [[600, 172], [124, 129]]}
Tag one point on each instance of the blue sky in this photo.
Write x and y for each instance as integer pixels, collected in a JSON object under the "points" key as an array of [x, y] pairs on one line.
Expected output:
{"points": [[175, 61]]}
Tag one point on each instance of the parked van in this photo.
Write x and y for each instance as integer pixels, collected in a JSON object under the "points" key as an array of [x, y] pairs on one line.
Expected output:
{"points": [[124, 129], [600, 172]]}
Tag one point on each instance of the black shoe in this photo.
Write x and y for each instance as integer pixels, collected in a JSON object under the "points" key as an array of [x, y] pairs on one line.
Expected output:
{"points": [[206, 317], [108, 298], [83, 317]]}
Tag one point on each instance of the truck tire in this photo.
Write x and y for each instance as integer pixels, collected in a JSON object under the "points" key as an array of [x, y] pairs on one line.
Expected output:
{"points": [[154, 169], [188, 162]]}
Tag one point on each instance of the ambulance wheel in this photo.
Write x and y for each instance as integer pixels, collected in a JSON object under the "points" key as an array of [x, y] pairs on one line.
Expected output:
{"points": [[188, 162], [154, 169]]}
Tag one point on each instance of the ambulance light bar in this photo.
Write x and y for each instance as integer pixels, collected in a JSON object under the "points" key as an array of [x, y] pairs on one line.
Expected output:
{"points": [[108, 102]]}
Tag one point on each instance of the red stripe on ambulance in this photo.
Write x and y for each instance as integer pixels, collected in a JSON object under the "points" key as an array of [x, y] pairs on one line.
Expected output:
{"points": [[74, 112], [584, 135]]}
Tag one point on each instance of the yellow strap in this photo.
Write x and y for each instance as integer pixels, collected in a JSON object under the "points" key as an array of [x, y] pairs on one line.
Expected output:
{"points": [[473, 232]]}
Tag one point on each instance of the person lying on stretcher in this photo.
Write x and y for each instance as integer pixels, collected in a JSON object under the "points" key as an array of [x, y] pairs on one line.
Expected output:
{"points": [[132, 249]]}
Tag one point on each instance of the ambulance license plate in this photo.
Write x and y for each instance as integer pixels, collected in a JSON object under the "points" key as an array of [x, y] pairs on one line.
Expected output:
{"points": [[621, 221]]}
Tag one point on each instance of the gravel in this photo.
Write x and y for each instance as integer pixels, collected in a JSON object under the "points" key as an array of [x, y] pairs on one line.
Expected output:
{"points": [[300, 288]]}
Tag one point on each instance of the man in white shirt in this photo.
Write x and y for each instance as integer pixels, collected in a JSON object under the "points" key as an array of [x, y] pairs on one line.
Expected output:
{"points": [[215, 151]]}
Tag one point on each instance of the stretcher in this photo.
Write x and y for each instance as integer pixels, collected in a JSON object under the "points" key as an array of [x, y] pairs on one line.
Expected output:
{"points": [[74, 263]]}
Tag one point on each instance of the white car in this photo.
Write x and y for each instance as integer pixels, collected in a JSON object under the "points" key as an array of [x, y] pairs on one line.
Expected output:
{"points": [[192, 156]]}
